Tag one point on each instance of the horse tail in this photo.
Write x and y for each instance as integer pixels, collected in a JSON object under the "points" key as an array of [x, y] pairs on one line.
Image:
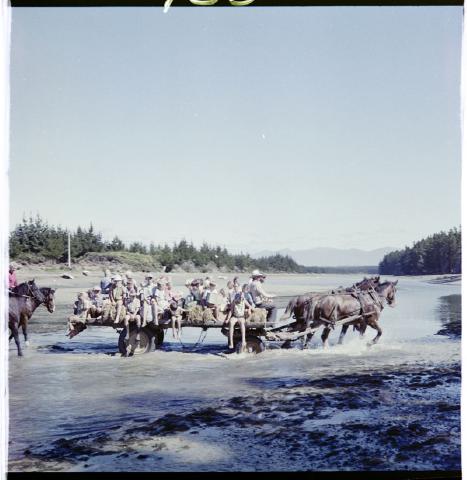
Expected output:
{"points": [[290, 308]]}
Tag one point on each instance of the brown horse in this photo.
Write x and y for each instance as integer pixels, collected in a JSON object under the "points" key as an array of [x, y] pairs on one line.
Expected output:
{"points": [[23, 301], [302, 307], [368, 304]]}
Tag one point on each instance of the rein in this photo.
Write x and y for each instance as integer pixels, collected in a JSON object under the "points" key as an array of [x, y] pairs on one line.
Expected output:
{"points": [[29, 296]]}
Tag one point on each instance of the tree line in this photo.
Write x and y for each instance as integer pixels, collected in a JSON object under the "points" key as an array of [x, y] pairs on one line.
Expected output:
{"points": [[35, 241], [437, 254]]}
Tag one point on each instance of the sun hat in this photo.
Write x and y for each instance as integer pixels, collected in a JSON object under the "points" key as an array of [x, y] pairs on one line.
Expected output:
{"points": [[128, 274], [257, 273], [96, 288], [118, 278]]}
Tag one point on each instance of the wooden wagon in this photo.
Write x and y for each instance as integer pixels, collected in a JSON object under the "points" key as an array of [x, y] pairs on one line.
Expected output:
{"points": [[288, 329]]}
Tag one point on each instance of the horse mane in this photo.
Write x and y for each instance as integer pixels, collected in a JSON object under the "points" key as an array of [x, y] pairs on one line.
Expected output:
{"points": [[22, 289], [46, 290], [383, 285]]}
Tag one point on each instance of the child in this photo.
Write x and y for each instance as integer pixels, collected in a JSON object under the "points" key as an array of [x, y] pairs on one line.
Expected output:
{"points": [[159, 302], [116, 295], [81, 306], [176, 313], [237, 315], [208, 299], [133, 307], [96, 308]]}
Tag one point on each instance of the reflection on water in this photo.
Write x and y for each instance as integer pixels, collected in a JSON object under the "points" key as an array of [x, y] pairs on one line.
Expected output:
{"points": [[450, 314]]}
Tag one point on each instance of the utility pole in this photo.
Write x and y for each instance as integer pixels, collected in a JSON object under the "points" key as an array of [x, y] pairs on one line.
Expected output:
{"points": [[69, 250]]}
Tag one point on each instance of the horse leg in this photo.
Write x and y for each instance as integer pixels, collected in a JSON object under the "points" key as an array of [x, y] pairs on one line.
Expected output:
{"points": [[362, 329], [378, 329], [24, 326], [307, 340], [343, 332], [325, 335], [14, 332]]}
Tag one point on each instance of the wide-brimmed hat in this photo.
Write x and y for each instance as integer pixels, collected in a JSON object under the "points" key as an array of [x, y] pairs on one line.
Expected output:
{"points": [[257, 273], [128, 274], [150, 275], [117, 278], [211, 283], [96, 288]]}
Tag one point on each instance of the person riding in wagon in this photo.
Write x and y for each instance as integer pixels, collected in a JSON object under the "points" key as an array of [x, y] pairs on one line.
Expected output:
{"points": [[159, 302], [82, 305], [196, 290], [106, 282], [96, 303], [208, 301], [236, 315], [133, 308], [117, 295], [146, 291], [261, 298], [130, 282], [175, 313]]}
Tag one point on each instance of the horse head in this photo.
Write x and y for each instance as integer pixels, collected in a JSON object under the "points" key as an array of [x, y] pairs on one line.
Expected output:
{"points": [[388, 291], [368, 283], [49, 298], [34, 291]]}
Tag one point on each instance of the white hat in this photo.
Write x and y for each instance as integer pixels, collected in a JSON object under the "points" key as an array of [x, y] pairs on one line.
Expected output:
{"points": [[97, 288], [257, 273], [117, 278], [150, 275], [128, 274]]}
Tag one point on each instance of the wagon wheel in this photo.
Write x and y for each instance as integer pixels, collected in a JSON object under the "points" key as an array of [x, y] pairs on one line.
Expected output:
{"points": [[253, 345], [132, 347]]}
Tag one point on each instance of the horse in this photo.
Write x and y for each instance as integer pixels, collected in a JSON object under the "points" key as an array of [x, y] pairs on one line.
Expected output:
{"points": [[368, 304], [302, 307], [23, 301]]}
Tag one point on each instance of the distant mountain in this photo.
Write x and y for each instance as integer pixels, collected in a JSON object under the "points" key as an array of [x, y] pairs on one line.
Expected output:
{"points": [[331, 257]]}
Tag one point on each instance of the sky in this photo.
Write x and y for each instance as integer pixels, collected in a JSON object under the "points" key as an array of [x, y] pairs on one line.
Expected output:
{"points": [[252, 128]]}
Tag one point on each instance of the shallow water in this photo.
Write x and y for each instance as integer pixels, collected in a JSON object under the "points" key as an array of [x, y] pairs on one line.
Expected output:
{"points": [[77, 405]]}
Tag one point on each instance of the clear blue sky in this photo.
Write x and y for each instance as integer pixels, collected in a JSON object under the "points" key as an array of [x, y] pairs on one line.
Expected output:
{"points": [[254, 128]]}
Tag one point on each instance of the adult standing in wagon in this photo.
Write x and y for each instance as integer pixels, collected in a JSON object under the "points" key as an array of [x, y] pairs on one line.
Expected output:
{"points": [[261, 298]]}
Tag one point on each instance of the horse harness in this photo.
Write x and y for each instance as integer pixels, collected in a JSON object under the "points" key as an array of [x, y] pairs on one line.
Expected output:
{"points": [[33, 295]]}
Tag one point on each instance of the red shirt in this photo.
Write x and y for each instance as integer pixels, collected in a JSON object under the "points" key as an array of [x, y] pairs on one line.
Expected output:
{"points": [[12, 281]]}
